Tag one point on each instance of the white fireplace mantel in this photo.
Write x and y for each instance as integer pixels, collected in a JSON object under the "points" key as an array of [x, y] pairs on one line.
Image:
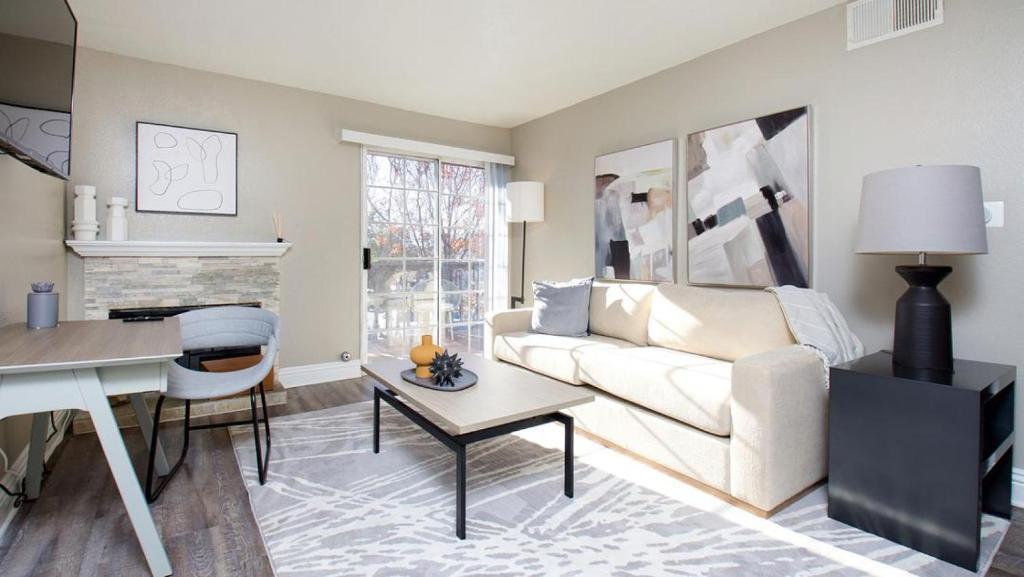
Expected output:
{"points": [[143, 248]]}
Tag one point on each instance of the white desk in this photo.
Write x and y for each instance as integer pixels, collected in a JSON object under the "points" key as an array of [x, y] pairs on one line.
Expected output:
{"points": [[77, 365]]}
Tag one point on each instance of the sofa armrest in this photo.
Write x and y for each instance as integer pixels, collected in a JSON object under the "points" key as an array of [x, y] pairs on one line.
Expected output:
{"points": [[779, 443], [502, 322]]}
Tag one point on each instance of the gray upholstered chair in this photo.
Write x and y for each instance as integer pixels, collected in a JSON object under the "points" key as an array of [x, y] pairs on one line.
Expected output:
{"points": [[212, 328]]}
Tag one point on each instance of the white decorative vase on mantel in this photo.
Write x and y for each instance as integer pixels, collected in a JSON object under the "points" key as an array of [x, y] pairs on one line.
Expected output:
{"points": [[85, 226], [117, 219]]}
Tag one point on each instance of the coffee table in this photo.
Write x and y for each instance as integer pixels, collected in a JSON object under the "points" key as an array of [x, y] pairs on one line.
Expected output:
{"points": [[505, 400]]}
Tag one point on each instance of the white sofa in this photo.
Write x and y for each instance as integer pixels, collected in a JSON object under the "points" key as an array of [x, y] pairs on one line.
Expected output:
{"points": [[706, 382]]}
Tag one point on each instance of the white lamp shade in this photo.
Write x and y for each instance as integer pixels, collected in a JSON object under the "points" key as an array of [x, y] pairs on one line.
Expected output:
{"points": [[930, 209], [525, 201]]}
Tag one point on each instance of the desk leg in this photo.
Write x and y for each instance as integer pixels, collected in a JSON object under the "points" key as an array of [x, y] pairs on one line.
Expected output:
{"points": [[124, 473], [146, 426], [36, 455]]}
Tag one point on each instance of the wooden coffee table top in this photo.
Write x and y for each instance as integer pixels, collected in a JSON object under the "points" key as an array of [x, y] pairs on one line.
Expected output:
{"points": [[504, 394]]}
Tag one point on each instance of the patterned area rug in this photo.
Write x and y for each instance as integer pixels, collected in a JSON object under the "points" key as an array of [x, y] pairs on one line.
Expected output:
{"points": [[331, 507]]}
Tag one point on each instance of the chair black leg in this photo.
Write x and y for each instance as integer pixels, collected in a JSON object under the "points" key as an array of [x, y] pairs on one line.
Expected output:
{"points": [[266, 427], [261, 471], [154, 439], [153, 494]]}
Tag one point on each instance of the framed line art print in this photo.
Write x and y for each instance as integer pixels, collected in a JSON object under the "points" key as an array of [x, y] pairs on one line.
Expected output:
{"points": [[185, 170]]}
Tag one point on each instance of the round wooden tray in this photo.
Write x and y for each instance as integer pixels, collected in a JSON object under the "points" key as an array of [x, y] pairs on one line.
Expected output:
{"points": [[468, 379]]}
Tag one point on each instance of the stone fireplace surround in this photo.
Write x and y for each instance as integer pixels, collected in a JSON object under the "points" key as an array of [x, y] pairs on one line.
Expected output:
{"points": [[159, 274], [136, 274]]}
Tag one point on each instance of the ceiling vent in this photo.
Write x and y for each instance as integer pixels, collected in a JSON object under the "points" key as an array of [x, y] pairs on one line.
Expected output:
{"points": [[871, 21]]}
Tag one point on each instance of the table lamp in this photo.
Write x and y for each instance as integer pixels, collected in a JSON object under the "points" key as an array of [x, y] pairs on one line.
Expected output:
{"points": [[525, 204], [921, 210]]}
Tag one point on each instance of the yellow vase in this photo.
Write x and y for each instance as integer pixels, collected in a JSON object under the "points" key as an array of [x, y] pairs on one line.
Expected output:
{"points": [[423, 355]]}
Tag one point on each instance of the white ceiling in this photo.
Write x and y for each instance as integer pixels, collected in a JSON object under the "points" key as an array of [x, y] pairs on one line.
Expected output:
{"points": [[496, 62]]}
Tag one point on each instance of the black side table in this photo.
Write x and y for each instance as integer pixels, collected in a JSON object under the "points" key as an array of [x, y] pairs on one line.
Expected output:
{"points": [[916, 457]]}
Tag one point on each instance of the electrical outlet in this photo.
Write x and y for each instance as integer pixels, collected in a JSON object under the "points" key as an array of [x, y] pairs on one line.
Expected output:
{"points": [[994, 214]]}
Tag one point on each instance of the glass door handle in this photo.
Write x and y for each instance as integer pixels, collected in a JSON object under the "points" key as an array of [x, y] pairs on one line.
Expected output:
{"points": [[367, 259]]}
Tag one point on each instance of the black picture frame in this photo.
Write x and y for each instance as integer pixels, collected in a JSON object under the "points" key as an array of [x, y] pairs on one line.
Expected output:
{"points": [[140, 123]]}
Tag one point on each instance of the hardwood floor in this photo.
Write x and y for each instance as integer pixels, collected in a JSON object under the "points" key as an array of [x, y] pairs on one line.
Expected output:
{"points": [[79, 527], [1009, 561]]}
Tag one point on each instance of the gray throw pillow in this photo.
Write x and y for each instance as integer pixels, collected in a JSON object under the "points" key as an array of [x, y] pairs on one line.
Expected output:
{"points": [[561, 308]]}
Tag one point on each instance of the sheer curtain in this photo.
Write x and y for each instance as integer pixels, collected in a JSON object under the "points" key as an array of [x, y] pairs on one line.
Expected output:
{"points": [[497, 177]]}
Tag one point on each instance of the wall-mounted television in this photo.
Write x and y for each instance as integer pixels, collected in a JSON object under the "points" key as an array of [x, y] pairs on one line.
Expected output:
{"points": [[37, 77]]}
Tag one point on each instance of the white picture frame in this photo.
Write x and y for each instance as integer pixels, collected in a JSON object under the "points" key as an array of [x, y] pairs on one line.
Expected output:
{"points": [[185, 170]]}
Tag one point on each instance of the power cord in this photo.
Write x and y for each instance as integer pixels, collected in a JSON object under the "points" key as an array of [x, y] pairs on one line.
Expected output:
{"points": [[50, 435], [20, 496], [53, 424]]}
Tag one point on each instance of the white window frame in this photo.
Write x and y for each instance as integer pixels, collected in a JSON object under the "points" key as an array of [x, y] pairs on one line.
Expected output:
{"points": [[365, 150]]}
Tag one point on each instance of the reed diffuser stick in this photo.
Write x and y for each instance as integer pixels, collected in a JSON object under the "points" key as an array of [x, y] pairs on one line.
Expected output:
{"points": [[278, 227]]}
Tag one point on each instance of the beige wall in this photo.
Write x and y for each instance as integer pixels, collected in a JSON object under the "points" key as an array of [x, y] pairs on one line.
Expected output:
{"points": [[289, 162], [31, 248], [951, 94]]}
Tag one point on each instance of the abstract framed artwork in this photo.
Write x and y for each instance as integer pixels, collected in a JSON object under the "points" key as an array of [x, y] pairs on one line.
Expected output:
{"points": [[748, 202], [185, 170], [634, 205]]}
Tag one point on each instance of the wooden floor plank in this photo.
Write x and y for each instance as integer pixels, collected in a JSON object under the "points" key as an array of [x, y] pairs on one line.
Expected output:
{"points": [[1009, 559], [79, 526]]}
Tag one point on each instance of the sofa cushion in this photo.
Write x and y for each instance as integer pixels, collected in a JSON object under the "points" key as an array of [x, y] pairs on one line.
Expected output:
{"points": [[551, 355], [721, 323], [561, 308], [689, 388], [621, 311]]}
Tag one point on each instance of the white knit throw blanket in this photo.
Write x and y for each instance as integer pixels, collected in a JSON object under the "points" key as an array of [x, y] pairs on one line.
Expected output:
{"points": [[817, 324]]}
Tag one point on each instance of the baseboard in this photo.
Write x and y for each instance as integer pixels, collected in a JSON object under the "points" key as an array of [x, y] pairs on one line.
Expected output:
{"points": [[16, 473], [1017, 487], [319, 373]]}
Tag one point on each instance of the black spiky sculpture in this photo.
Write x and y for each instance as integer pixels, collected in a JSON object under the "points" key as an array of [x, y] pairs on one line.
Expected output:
{"points": [[446, 368]]}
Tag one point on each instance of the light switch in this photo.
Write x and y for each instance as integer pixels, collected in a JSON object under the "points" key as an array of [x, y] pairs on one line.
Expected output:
{"points": [[994, 214]]}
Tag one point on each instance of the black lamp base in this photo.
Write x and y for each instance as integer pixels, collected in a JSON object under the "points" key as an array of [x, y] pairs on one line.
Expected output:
{"points": [[521, 299], [923, 336]]}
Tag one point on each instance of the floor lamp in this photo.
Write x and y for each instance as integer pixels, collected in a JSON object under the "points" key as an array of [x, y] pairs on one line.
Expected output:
{"points": [[525, 204]]}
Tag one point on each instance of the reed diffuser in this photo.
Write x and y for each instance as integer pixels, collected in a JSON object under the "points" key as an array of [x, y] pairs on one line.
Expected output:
{"points": [[278, 227]]}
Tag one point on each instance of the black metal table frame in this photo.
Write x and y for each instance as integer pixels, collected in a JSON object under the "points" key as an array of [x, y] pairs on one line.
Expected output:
{"points": [[458, 444]]}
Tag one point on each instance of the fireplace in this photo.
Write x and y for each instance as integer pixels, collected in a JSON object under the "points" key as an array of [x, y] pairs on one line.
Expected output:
{"points": [[192, 359], [141, 279]]}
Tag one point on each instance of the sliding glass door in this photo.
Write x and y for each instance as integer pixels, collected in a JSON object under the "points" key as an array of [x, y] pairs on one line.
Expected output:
{"points": [[427, 232]]}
